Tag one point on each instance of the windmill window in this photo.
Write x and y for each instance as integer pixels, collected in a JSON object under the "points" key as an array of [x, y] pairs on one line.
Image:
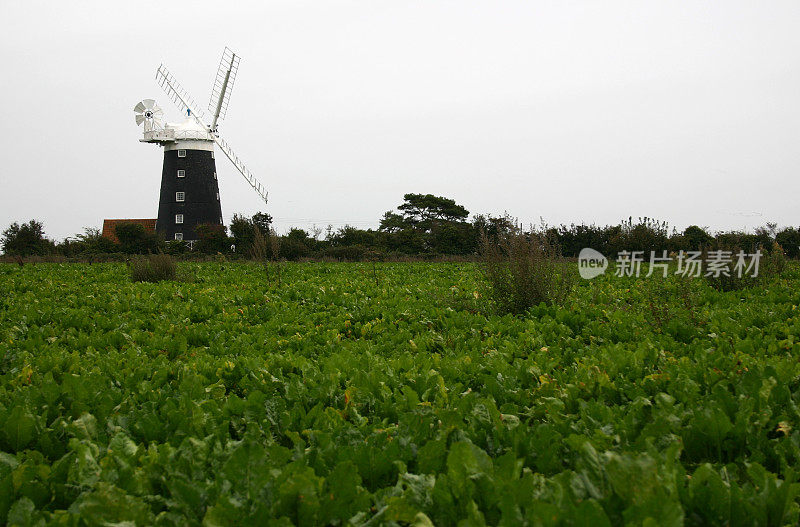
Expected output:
{"points": [[181, 173], [212, 154], [179, 218], [181, 153], [215, 175], [179, 236], [180, 196], [217, 196], [220, 221]]}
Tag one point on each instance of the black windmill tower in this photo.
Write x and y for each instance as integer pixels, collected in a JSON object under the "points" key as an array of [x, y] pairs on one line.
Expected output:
{"points": [[189, 185]]}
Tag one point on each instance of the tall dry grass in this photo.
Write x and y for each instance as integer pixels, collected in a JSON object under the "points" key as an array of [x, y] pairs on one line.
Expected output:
{"points": [[523, 270]]}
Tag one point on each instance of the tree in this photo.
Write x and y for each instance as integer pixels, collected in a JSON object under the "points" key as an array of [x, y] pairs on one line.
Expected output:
{"points": [[212, 238], [765, 236], [392, 223], [425, 210], [295, 244], [134, 238], [26, 239], [349, 235], [696, 238], [494, 226], [789, 240], [428, 223], [243, 230], [262, 221], [453, 238], [243, 233], [94, 242]]}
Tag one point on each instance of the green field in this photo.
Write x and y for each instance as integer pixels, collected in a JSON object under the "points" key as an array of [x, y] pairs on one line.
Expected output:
{"points": [[347, 395]]}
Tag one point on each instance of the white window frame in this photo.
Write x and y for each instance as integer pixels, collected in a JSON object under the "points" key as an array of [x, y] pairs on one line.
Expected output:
{"points": [[215, 175], [212, 156], [220, 221], [178, 219], [181, 153], [178, 236], [180, 196], [181, 173], [217, 196]]}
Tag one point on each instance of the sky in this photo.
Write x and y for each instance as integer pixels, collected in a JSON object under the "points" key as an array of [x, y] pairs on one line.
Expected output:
{"points": [[562, 112]]}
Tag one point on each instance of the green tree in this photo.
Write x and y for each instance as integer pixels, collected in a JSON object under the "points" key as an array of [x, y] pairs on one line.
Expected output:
{"points": [[262, 221], [212, 238], [425, 210], [134, 238], [493, 226], [789, 240], [392, 223], [428, 223], [93, 242], [243, 230], [295, 244], [349, 235], [26, 239], [696, 238], [243, 233]]}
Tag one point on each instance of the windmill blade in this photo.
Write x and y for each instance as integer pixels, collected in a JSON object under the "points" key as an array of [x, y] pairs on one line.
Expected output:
{"points": [[139, 108], [223, 85], [181, 97], [149, 103], [139, 119], [251, 180], [178, 95]]}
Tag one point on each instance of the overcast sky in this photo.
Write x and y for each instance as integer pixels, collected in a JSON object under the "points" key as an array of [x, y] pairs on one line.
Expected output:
{"points": [[570, 111]]}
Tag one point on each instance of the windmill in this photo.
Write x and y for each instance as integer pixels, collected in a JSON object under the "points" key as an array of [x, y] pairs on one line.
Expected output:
{"points": [[189, 188]]}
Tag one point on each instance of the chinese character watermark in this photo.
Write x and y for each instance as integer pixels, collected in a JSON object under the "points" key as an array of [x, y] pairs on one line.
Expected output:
{"points": [[694, 264]]}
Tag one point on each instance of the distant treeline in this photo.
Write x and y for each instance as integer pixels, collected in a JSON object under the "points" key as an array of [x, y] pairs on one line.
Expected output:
{"points": [[423, 226]]}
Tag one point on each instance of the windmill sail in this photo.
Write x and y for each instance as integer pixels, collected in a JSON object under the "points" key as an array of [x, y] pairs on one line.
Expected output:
{"points": [[223, 85], [256, 184], [178, 95], [185, 102]]}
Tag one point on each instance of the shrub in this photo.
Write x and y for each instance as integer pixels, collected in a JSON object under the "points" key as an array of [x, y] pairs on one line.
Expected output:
{"points": [[265, 248], [260, 247], [673, 306], [175, 247], [292, 248], [242, 232], [212, 238], [774, 263], [524, 270], [153, 268], [349, 253], [789, 240], [25, 240], [93, 242], [696, 238], [134, 238], [771, 263]]}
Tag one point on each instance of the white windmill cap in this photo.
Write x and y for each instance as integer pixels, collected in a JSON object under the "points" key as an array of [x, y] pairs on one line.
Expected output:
{"points": [[190, 129]]}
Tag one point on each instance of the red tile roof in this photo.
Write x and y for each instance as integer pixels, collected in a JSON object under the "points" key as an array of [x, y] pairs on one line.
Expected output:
{"points": [[110, 227]]}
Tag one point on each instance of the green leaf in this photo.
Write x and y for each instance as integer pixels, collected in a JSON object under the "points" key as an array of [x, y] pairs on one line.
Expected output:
{"points": [[421, 520], [19, 428], [431, 457], [84, 471], [590, 512], [343, 495], [108, 505], [84, 427], [23, 514]]}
